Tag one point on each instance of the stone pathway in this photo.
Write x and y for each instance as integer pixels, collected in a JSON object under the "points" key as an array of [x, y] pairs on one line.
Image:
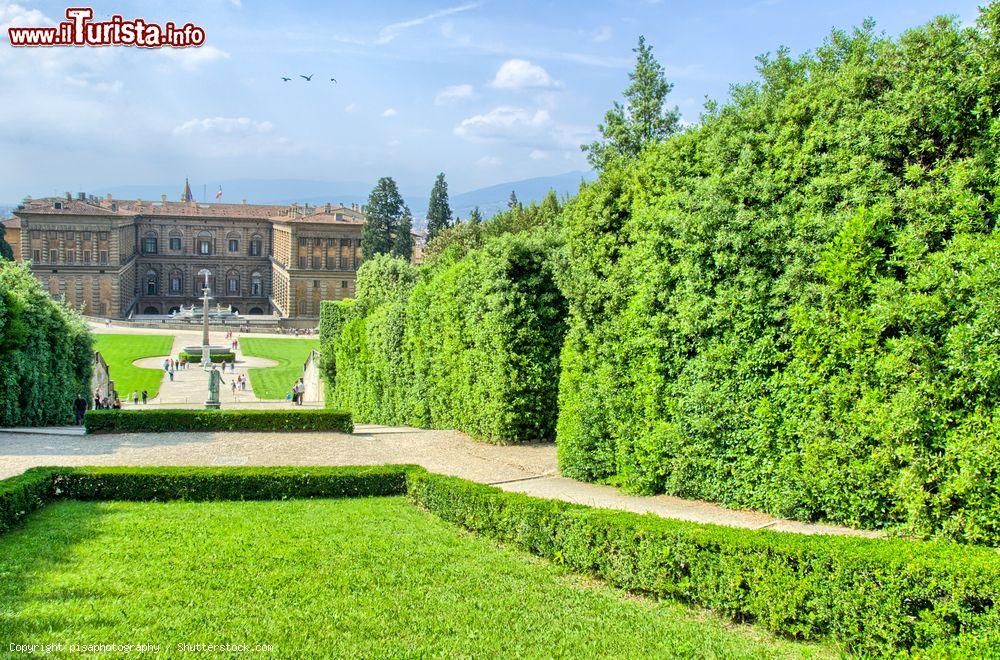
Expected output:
{"points": [[530, 468]]}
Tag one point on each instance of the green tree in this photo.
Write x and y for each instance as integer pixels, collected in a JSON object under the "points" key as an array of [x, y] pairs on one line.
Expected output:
{"points": [[402, 238], [386, 212], [512, 201], [6, 251], [476, 217], [438, 211], [627, 129]]}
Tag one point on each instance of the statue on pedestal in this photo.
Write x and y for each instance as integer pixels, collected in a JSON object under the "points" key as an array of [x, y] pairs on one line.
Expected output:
{"points": [[214, 379]]}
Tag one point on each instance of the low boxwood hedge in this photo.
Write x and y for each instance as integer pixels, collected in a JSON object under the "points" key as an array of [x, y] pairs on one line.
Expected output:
{"points": [[24, 493], [872, 595], [195, 358], [165, 420]]}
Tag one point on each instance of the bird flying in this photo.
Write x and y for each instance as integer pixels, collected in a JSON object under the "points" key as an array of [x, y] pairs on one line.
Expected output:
{"points": [[285, 79], [333, 80], [307, 78]]}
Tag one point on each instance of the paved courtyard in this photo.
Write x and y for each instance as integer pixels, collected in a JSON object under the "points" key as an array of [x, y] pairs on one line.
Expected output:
{"points": [[530, 469]]}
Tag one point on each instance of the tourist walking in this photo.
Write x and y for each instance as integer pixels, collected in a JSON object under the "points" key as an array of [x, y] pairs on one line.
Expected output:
{"points": [[135, 397], [144, 396], [79, 408], [171, 372]]}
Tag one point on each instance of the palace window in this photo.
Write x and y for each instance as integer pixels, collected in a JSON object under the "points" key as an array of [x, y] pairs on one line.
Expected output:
{"points": [[102, 257], [255, 244], [204, 243], [151, 283], [86, 235], [233, 283], [343, 284], [36, 255], [302, 262], [175, 283], [86, 256], [149, 243], [175, 243], [53, 256], [234, 245], [256, 288], [70, 256], [69, 236]]}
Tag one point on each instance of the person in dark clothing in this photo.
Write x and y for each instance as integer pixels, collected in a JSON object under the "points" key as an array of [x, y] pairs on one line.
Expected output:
{"points": [[79, 408], [144, 396]]}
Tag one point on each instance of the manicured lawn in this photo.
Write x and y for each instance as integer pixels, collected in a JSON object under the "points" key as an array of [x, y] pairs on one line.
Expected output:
{"points": [[275, 382], [120, 350], [320, 578]]}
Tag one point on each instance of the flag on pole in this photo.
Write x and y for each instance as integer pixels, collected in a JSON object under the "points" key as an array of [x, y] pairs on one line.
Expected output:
{"points": [[218, 195]]}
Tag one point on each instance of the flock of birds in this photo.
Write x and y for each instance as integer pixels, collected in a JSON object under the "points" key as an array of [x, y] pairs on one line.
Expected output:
{"points": [[306, 78]]}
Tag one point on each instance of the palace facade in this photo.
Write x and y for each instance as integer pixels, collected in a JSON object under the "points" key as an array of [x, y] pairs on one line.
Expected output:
{"points": [[120, 258]]}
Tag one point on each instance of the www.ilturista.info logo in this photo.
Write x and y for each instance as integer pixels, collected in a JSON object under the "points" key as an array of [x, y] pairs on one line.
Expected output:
{"points": [[79, 30]]}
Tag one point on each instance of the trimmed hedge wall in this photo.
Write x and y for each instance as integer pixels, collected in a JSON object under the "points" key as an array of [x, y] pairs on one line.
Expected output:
{"points": [[795, 306], [472, 345], [21, 495], [195, 358], [874, 596], [153, 421], [46, 352]]}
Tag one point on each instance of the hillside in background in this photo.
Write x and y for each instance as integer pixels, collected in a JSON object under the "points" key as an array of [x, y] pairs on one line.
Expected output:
{"points": [[285, 191]]}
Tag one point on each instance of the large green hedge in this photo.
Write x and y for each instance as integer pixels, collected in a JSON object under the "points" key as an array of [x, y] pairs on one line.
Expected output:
{"points": [[46, 353], [470, 342], [147, 420], [795, 306], [874, 596]]}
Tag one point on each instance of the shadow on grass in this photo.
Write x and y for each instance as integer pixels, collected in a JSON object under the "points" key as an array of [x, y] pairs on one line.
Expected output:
{"points": [[32, 601]]}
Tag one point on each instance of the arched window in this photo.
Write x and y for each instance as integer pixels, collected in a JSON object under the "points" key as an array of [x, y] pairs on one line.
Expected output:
{"points": [[149, 243], [303, 307], [176, 283], [256, 310], [151, 284], [204, 243], [151, 310], [176, 241], [233, 283], [256, 284], [256, 245], [233, 242]]}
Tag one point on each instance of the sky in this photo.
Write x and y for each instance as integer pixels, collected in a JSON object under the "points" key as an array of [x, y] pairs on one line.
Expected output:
{"points": [[486, 91]]}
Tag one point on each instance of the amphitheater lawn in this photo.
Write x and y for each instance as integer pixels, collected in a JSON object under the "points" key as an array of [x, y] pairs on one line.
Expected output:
{"points": [[275, 382], [321, 578], [120, 350]]}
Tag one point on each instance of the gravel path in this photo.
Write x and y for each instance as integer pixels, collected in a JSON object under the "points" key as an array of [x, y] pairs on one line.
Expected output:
{"points": [[530, 469]]}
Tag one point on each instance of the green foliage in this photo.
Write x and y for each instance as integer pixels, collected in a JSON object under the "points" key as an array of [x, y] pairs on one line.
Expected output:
{"points": [[195, 358], [388, 222], [438, 210], [874, 596], [628, 129], [6, 251], [473, 345], [22, 494], [794, 307], [46, 354], [170, 420]]}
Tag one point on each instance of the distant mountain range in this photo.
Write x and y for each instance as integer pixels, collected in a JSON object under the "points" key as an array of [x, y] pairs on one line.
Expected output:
{"points": [[285, 191]]}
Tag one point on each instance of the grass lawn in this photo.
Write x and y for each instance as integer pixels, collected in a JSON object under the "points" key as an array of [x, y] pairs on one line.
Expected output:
{"points": [[352, 577], [120, 350], [291, 354]]}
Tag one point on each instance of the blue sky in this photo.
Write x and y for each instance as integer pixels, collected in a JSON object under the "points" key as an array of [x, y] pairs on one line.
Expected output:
{"points": [[487, 92]]}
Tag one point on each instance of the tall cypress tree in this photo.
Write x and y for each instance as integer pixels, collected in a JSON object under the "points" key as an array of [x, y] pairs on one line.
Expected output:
{"points": [[438, 211], [402, 239], [476, 216], [384, 214], [512, 201], [627, 129]]}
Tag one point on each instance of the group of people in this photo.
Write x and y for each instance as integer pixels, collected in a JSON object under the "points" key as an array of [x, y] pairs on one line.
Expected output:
{"points": [[298, 391], [171, 365], [136, 395], [299, 331], [239, 383]]}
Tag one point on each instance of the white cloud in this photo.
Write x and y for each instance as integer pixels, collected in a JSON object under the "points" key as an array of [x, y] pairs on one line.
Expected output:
{"points": [[538, 154], [503, 121], [453, 93], [521, 74], [350, 107], [393, 143], [192, 58], [223, 126], [489, 161], [604, 33], [389, 112], [390, 32]]}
